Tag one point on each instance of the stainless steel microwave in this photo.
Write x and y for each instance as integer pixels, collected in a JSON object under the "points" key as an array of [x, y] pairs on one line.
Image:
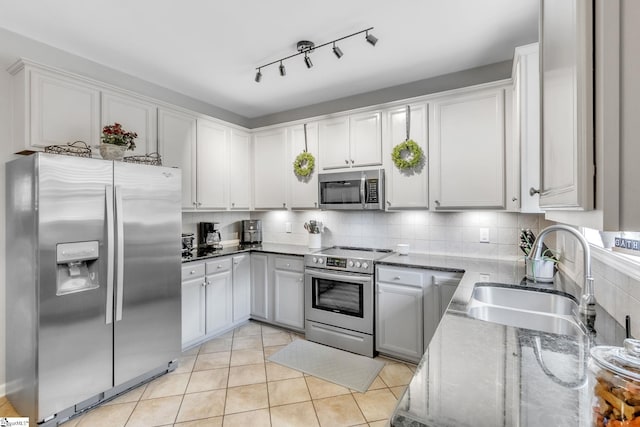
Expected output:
{"points": [[353, 190]]}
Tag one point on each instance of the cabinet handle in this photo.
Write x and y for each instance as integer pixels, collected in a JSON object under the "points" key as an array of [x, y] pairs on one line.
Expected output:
{"points": [[437, 202], [352, 161], [194, 203], [192, 272], [288, 265], [219, 266], [346, 162], [199, 203], [204, 284], [514, 199], [533, 191], [315, 204], [388, 203], [232, 204], [284, 205], [236, 262], [396, 278]]}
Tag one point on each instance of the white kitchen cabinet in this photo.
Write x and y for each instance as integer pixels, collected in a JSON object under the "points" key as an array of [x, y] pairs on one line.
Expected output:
{"points": [[241, 287], [288, 292], [526, 124], [193, 303], [270, 169], [467, 150], [303, 191], [135, 115], [177, 145], [211, 165], [260, 300], [51, 108], [350, 141], [406, 189], [219, 301], [238, 175], [566, 64]]}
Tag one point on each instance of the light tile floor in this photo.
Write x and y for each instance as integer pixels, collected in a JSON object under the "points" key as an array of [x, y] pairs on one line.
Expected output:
{"points": [[228, 381]]}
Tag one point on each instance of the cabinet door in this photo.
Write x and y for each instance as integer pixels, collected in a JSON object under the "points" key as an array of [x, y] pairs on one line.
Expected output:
{"points": [[566, 54], [365, 140], [333, 141], [467, 148], [134, 115], [63, 110], [241, 287], [399, 320], [259, 283], [303, 190], [289, 298], [193, 310], [211, 165], [270, 167], [219, 302], [177, 144], [239, 176], [407, 189]]}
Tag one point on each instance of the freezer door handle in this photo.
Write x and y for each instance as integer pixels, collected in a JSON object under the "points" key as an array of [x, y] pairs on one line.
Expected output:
{"points": [[108, 199], [119, 253]]}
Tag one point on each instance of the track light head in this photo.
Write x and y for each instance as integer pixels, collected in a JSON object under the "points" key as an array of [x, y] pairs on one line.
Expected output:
{"points": [[258, 76], [307, 61], [371, 39], [283, 71], [337, 51]]}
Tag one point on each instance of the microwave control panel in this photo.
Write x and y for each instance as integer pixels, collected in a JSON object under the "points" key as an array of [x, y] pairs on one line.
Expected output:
{"points": [[372, 191]]}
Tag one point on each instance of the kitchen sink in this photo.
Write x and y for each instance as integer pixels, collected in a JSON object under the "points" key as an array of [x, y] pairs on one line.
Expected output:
{"points": [[525, 299], [525, 308]]}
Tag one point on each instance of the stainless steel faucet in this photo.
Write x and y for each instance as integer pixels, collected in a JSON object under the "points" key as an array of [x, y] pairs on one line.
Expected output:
{"points": [[588, 299]]}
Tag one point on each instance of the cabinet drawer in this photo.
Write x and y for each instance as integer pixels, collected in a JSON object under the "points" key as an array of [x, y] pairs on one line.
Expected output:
{"points": [[401, 276], [192, 270], [293, 264], [218, 265]]}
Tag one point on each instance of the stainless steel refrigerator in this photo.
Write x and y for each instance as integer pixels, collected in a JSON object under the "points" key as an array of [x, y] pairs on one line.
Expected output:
{"points": [[93, 280]]}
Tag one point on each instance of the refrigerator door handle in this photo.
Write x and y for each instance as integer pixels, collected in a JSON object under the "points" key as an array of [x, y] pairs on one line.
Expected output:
{"points": [[119, 253], [108, 198]]}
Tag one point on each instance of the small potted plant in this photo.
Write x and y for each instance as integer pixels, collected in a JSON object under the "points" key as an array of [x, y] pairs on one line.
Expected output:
{"points": [[115, 141]]}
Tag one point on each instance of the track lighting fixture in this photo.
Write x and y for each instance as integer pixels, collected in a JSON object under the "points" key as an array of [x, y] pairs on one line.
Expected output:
{"points": [[337, 51], [371, 38], [306, 47]]}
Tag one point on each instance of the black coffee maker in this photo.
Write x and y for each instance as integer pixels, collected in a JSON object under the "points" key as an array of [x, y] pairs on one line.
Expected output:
{"points": [[209, 235]]}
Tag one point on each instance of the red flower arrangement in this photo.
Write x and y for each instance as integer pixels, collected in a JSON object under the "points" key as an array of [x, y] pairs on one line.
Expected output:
{"points": [[116, 135]]}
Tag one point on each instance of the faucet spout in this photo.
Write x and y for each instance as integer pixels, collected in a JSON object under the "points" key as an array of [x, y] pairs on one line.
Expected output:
{"points": [[588, 299]]}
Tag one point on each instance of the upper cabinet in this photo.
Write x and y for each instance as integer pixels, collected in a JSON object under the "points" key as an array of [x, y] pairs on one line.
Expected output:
{"points": [[303, 191], [211, 165], [270, 168], [467, 150], [52, 109], [566, 64], [135, 115], [238, 176], [177, 145], [350, 141], [406, 188]]}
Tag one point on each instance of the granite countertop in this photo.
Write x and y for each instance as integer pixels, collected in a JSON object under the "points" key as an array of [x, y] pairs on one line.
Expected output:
{"points": [[477, 373], [276, 248]]}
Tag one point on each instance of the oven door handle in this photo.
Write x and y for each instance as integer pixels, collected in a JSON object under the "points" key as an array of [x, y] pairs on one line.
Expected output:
{"points": [[339, 277]]}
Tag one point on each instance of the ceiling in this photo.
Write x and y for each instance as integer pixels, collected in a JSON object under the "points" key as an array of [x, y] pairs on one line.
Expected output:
{"points": [[209, 50]]}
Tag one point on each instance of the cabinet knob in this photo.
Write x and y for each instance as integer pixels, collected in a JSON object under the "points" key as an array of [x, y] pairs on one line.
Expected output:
{"points": [[389, 202], [284, 205], [203, 284], [533, 191], [352, 161], [315, 204], [199, 203], [232, 204], [514, 199], [346, 162], [437, 202], [396, 278], [192, 272], [219, 266], [194, 203]]}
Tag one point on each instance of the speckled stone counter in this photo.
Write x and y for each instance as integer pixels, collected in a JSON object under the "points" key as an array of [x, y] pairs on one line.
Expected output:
{"points": [[477, 373]]}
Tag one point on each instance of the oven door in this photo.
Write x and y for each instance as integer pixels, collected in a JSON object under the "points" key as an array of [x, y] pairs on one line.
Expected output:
{"points": [[340, 299]]}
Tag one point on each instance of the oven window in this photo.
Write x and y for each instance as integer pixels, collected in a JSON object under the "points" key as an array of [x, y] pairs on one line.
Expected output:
{"points": [[340, 192], [338, 297]]}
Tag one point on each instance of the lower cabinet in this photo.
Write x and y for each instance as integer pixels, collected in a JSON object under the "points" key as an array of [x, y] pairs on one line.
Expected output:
{"points": [[215, 297], [408, 302], [277, 289]]}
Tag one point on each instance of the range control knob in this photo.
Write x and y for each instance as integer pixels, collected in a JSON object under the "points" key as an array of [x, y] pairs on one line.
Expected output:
{"points": [[315, 260], [357, 264], [350, 263], [320, 261], [365, 265]]}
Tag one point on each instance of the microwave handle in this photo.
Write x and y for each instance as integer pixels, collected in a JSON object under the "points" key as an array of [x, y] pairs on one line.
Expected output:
{"points": [[363, 180]]}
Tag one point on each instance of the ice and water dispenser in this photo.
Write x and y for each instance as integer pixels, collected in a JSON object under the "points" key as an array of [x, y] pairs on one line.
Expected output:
{"points": [[77, 267]]}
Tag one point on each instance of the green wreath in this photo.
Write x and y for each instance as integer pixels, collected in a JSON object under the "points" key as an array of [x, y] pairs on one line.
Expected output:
{"points": [[414, 158], [303, 164]]}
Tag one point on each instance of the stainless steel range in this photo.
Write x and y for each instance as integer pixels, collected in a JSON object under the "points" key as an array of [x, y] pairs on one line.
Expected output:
{"points": [[339, 302]]}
